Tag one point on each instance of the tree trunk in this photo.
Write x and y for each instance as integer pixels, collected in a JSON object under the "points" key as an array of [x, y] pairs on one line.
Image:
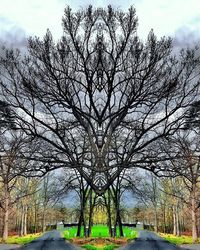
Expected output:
{"points": [[84, 227], [78, 234], [109, 222], [25, 220], [155, 220], [121, 233], [35, 219], [109, 214], [91, 213], [177, 222], [44, 220], [174, 221], [164, 219], [6, 213], [119, 223], [5, 223], [22, 222], [194, 221]]}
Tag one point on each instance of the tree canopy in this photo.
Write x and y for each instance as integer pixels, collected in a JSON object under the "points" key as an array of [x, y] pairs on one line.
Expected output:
{"points": [[100, 99]]}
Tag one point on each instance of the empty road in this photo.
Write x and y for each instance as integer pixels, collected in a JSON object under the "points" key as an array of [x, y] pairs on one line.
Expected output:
{"points": [[49, 241], [150, 241]]}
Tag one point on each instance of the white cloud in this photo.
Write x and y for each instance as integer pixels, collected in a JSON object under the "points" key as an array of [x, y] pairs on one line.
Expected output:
{"points": [[33, 16], [164, 16], [167, 16]]}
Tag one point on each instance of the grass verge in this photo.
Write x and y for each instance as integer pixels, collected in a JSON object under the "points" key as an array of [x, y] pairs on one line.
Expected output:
{"points": [[178, 240], [22, 239]]}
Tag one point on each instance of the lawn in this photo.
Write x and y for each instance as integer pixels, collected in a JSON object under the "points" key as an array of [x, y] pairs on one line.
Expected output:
{"points": [[22, 239], [107, 247], [178, 240], [100, 231]]}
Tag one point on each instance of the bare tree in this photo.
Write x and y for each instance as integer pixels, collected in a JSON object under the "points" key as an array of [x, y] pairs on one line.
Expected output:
{"points": [[6, 116], [97, 80]]}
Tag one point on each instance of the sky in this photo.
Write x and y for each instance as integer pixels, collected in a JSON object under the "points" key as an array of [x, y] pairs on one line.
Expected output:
{"points": [[177, 18]]}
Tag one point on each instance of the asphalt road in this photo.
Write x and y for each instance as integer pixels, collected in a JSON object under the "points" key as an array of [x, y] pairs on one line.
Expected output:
{"points": [[191, 247], [49, 241], [150, 241], [9, 246]]}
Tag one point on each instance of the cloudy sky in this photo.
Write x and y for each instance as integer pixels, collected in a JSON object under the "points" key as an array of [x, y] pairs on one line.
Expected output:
{"points": [[177, 18]]}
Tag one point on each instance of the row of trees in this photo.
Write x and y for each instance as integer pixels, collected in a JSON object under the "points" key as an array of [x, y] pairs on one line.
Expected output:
{"points": [[166, 206], [23, 198]]}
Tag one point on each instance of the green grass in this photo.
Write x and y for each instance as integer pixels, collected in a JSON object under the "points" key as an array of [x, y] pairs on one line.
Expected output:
{"points": [[178, 240], [107, 247], [22, 239], [110, 247], [89, 247], [71, 233], [128, 233], [100, 231]]}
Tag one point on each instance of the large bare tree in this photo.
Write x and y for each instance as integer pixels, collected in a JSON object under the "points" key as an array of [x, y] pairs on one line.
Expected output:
{"points": [[99, 80]]}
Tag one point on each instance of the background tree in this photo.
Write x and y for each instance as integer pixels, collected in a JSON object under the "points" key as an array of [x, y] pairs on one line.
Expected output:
{"points": [[189, 168], [11, 166]]}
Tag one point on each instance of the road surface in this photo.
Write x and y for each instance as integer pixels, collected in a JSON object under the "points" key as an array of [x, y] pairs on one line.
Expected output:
{"points": [[49, 241], [191, 247], [9, 246], [150, 241]]}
